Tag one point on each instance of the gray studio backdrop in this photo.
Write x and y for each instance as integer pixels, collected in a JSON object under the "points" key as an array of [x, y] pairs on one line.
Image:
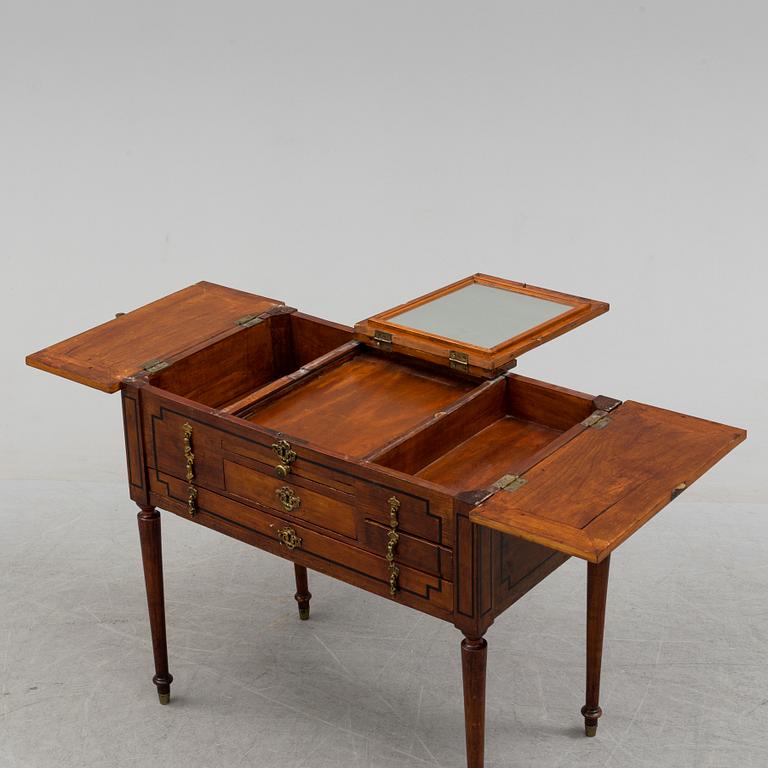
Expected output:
{"points": [[346, 156]]}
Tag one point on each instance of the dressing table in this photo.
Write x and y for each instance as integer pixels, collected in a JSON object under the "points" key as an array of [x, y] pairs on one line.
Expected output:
{"points": [[404, 456]]}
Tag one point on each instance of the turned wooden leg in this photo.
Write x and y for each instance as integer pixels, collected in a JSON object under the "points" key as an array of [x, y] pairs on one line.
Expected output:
{"points": [[473, 656], [597, 590], [303, 595], [152, 557]]}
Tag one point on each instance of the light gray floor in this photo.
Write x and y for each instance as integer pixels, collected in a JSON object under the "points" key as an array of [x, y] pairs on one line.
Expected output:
{"points": [[366, 683]]}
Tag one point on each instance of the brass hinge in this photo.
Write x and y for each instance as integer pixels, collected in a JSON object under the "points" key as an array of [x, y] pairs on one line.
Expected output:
{"points": [[383, 340], [598, 420], [509, 483], [246, 321], [153, 366], [459, 361]]}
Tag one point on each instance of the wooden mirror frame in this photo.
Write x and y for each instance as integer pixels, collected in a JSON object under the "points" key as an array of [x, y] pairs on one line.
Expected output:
{"points": [[468, 358]]}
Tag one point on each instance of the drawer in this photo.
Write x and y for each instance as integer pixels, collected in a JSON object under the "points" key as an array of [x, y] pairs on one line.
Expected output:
{"points": [[325, 507], [300, 468], [304, 545]]}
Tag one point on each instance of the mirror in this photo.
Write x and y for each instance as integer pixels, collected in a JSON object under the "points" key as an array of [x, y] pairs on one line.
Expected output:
{"points": [[480, 315]]}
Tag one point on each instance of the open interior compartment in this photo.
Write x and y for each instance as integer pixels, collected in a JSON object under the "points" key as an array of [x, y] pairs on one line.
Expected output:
{"points": [[497, 430], [223, 373], [355, 404]]}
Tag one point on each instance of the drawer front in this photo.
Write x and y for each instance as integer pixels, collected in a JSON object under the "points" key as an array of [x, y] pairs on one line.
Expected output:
{"points": [[298, 542], [326, 507], [335, 502]]}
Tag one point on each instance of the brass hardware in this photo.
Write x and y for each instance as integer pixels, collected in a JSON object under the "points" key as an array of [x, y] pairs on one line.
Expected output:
{"points": [[246, 321], [164, 697], [459, 361], [678, 489], [289, 538], [597, 419], [288, 498], [189, 458], [383, 340], [509, 483], [192, 500], [153, 366], [286, 455], [392, 538]]}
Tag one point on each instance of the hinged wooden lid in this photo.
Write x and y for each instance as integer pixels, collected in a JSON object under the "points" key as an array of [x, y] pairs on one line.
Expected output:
{"points": [[590, 494], [478, 325], [143, 339]]}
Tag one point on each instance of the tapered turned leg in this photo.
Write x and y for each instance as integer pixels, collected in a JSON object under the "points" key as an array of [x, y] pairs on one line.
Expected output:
{"points": [[303, 595], [473, 656], [152, 557], [597, 591]]}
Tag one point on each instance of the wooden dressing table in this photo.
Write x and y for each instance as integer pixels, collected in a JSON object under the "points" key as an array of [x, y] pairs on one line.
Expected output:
{"points": [[402, 456]]}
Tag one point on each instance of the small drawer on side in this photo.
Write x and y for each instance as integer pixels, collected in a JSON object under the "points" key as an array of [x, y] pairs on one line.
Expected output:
{"points": [[326, 508]]}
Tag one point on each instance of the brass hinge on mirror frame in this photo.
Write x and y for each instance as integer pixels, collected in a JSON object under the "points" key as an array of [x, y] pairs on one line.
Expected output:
{"points": [[383, 340], [509, 483], [459, 361], [246, 321], [153, 366], [597, 420]]}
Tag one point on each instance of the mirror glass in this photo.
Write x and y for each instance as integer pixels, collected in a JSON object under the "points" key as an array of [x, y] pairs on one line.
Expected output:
{"points": [[481, 315]]}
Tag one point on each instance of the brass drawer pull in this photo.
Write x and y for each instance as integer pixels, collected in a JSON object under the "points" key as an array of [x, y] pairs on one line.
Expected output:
{"points": [[289, 538], [392, 538], [189, 458], [286, 455], [288, 498]]}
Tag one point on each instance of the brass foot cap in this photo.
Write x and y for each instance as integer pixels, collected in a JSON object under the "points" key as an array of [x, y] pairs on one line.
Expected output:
{"points": [[164, 697], [590, 730], [303, 613]]}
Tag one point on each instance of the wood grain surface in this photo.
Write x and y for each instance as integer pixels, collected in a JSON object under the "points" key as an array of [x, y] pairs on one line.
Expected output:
{"points": [[596, 490], [103, 356]]}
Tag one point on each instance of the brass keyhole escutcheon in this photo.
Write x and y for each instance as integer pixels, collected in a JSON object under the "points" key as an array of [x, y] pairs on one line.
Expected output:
{"points": [[287, 456], [288, 498], [289, 538]]}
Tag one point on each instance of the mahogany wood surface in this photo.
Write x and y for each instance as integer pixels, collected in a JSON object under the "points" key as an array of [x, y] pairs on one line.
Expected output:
{"points": [[103, 356], [596, 490], [474, 654], [597, 592], [498, 449], [359, 405], [152, 557]]}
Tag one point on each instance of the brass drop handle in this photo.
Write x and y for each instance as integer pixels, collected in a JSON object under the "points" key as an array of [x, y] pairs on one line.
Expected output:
{"points": [[393, 537], [288, 498], [189, 458], [288, 538], [286, 455]]}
